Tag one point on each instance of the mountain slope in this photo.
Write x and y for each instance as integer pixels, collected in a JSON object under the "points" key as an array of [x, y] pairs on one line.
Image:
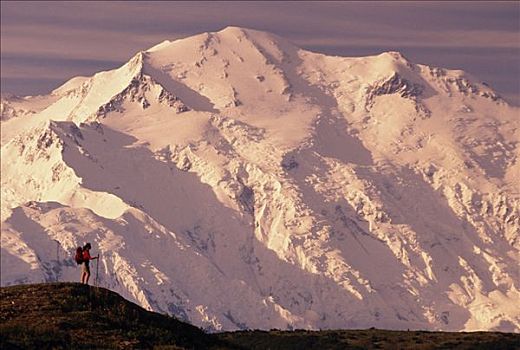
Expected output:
{"points": [[303, 190]]}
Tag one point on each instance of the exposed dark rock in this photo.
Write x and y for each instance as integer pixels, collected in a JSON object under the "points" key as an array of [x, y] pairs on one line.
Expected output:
{"points": [[289, 163], [396, 84], [247, 199]]}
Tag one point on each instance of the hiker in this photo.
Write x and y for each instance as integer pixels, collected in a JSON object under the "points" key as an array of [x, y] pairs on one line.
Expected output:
{"points": [[85, 268]]}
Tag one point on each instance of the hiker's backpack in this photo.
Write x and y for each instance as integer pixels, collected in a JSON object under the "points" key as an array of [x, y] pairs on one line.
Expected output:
{"points": [[79, 256]]}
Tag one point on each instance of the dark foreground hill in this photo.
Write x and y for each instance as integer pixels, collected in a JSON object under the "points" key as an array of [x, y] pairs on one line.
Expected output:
{"points": [[75, 316], [72, 315]]}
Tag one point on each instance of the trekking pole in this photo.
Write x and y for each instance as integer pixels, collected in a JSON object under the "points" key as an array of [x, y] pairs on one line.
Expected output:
{"points": [[96, 281], [57, 256]]}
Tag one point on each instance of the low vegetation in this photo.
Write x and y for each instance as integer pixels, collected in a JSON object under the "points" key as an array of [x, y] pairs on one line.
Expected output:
{"points": [[75, 316]]}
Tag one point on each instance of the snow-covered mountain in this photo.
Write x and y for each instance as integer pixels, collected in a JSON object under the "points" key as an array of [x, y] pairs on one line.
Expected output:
{"points": [[237, 181]]}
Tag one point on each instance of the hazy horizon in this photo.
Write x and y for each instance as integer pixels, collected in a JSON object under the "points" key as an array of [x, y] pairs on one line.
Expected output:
{"points": [[46, 43]]}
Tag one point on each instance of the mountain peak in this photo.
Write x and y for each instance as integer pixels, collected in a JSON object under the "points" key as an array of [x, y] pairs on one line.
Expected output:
{"points": [[395, 55], [135, 64], [233, 30], [244, 31]]}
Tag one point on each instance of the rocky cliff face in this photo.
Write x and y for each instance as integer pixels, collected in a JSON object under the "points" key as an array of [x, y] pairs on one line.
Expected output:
{"points": [[237, 181]]}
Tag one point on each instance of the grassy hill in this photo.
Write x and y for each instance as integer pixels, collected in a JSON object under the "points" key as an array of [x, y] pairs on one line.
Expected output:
{"points": [[71, 315]]}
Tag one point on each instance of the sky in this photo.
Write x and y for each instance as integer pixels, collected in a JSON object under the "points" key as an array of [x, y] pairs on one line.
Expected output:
{"points": [[43, 44]]}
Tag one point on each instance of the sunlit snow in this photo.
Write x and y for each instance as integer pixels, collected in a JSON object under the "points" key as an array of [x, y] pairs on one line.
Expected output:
{"points": [[236, 181]]}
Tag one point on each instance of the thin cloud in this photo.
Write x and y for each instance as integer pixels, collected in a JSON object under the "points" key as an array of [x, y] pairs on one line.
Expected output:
{"points": [[74, 43], [461, 39]]}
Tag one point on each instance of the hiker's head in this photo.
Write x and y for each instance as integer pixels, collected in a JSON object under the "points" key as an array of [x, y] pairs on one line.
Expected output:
{"points": [[87, 246]]}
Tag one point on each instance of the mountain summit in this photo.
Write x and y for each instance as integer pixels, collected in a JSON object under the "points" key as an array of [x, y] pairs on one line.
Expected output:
{"points": [[236, 181]]}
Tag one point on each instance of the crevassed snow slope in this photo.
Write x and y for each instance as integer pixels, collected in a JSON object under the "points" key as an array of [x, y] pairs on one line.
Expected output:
{"points": [[237, 181]]}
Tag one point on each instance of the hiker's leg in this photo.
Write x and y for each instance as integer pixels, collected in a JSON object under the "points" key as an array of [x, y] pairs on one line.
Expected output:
{"points": [[83, 272], [86, 272]]}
